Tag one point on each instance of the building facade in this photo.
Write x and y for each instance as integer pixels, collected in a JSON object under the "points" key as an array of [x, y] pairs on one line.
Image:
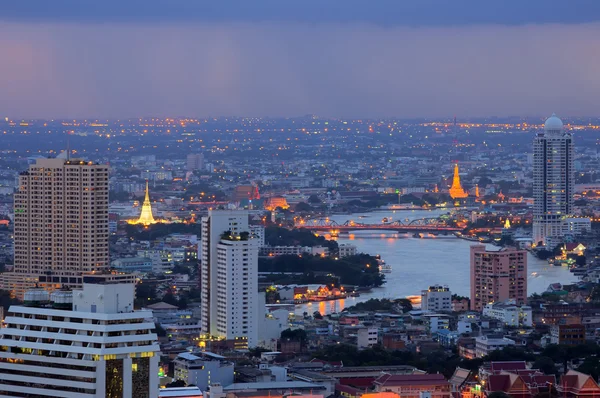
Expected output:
{"points": [[553, 182], [229, 276], [509, 313], [436, 298], [497, 276], [195, 161], [61, 225], [202, 369], [85, 343]]}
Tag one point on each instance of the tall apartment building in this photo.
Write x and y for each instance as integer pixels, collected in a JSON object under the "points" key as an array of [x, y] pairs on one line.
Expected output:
{"points": [[553, 182], [61, 224], [195, 161], [436, 298], [88, 343], [229, 276], [497, 275]]}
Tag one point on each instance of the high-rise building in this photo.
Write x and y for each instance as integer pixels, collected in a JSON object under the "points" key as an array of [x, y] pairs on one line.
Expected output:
{"points": [[195, 161], [436, 298], [85, 343], [229, 276], [497, 275], [553, 182], [61, 224]]}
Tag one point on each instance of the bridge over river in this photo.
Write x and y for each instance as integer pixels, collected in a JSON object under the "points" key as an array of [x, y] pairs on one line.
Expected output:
{"points": [[425, 225]]}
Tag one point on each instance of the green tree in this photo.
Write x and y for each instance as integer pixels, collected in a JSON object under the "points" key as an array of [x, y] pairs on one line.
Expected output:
{"points": [[314, 199], [303, 207], [545, 364]]}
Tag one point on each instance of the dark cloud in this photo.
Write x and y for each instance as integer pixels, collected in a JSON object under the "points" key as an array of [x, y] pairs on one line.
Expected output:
{"points": [[381, 12]]}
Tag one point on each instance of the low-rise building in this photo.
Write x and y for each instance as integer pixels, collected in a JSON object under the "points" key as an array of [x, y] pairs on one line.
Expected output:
{"points": [[509, 313], [485, 345], [133, 264], [347, 249], [203, 369], [567, 334], [436, 298], [414, 386], [366, 337]]}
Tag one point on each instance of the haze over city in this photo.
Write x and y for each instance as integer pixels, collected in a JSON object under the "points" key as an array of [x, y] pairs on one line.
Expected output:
{"points": [[434, 58]]}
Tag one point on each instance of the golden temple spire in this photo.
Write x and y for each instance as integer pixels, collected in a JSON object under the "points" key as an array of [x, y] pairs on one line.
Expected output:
{"points": [[476, 190], [507, 224], [457, 191], [146, 217]]}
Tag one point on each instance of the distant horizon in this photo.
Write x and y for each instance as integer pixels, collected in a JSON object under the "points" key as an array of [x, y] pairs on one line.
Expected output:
{"points": [[459, 119]]}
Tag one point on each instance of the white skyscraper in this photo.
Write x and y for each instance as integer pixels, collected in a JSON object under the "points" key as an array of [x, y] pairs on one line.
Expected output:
{"points": [[553, 182], [229, 276], [84, 343]]}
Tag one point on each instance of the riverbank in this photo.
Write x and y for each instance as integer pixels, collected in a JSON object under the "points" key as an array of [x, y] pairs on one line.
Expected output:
{"points": [[418, 263]]}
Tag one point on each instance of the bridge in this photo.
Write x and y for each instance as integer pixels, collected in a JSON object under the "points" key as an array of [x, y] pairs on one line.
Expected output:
{"points": [[426, 225]]}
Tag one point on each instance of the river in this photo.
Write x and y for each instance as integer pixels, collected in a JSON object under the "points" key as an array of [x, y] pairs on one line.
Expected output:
{"points": [[418, 263]]}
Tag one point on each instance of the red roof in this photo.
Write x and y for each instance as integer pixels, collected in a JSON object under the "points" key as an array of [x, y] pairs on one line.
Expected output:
{"points": [[357, 381], [411, 380], [348, 389], [498, 383], [508, 366]]}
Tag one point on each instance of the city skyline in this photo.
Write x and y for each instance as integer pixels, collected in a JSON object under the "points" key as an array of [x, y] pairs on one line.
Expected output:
{"points": [[426, 61]]}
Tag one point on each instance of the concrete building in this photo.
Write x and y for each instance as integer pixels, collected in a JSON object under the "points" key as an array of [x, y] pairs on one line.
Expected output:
{"points": [[485, 345], [509, 313], [133, 264], [203, 369], [61, 225], [553, 182], [497, 276], [413, 386], [575, 226], [567, 334], [436, 298], [195, 161], [435, 322], [346, 249], [229, 276], [88, 343], [366, 337]]}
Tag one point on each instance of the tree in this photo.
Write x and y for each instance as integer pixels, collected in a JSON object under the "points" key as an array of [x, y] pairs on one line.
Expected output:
{"points": [[545, 364], [317, 315], [314, 199], [303, 207], [580, 261], [498, 394], [160, 331], [176, 383]]}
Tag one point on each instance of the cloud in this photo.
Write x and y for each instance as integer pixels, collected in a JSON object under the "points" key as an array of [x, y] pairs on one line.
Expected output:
{"points": [[380, 12], [286, 69]]}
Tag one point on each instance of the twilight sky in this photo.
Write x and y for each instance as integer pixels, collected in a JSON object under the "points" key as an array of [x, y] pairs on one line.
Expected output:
{"points": [[438, 58]]}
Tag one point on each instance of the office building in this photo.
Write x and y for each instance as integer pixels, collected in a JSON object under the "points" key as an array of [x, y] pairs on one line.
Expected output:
{"points": [[195, 161], [84, 343], [436, 298], [497, 275], [61, 225], [367, 338], [229, 277], [553, 182]]}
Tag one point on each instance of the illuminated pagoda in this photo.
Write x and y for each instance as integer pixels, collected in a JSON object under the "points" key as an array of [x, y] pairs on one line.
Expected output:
{"points": [[457, 191], [146, 217]]}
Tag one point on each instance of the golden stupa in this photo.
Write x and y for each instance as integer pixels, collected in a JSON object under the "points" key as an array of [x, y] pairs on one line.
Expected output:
{"points": [[456, 190], [146, 217]]}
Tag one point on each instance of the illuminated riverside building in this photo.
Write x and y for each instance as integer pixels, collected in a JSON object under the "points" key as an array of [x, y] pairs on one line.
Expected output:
{"points": [[456, 190], [61, 225], [553, 182], [229, 277], [80, 344], [497, 275]]}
